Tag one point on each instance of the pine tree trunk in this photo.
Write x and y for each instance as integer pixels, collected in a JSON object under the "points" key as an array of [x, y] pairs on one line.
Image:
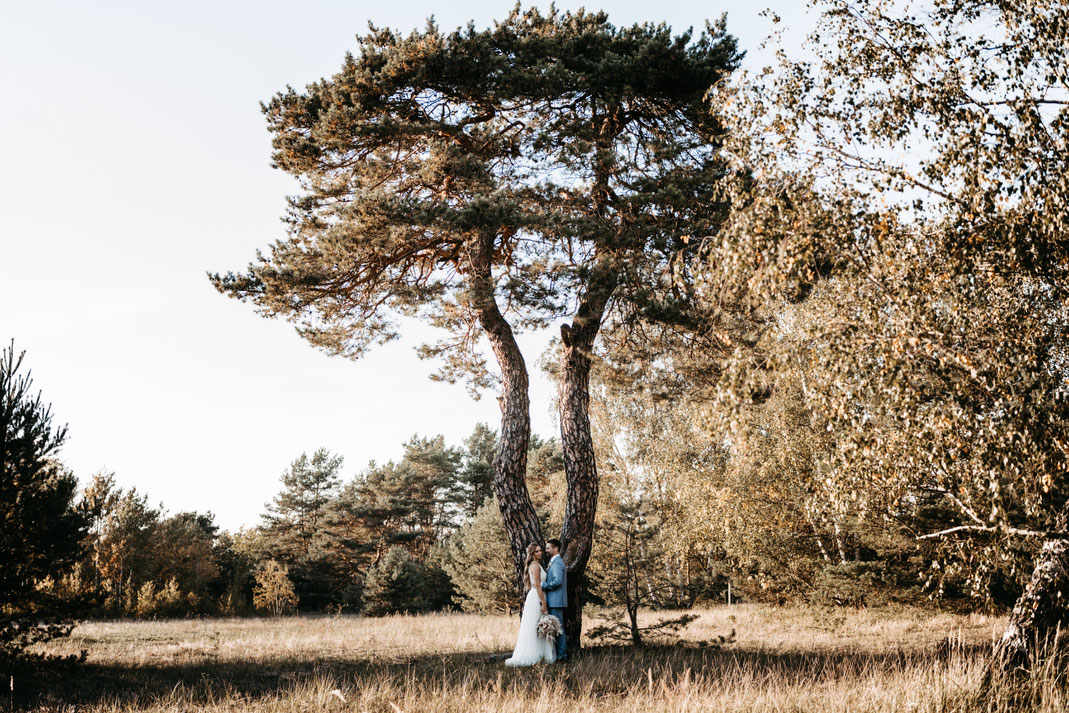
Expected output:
{"points": [[1043, 608], [580, 469], [510, 463], [577, 531]]}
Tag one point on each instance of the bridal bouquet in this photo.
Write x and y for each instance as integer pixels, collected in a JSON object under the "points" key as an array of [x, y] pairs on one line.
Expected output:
{"points": [[549, 627]]}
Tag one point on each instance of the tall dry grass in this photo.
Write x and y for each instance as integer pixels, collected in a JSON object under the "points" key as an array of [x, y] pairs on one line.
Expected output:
{"points": [[782, 659]]}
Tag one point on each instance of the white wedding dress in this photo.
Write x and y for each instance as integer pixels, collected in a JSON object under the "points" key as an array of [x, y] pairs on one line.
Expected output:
{"points": [[530, 649]]}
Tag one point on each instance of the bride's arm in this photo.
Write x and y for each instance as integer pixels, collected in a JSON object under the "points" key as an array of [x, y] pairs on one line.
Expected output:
{"points": [[535, 573]]}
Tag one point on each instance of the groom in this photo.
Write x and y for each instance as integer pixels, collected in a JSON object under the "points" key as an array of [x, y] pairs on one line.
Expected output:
{"points": [[556, 589]]}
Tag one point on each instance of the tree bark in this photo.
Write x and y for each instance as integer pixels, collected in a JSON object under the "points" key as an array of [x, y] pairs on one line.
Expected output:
{"points": [[1043, 608], [577, 531], [510, 463]]}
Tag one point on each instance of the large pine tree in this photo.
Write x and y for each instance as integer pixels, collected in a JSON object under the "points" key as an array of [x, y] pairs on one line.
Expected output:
{"points": [[547, 170]]}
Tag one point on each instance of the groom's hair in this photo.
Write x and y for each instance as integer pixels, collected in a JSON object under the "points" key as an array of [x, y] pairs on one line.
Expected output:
{"points": [[555, 542]]}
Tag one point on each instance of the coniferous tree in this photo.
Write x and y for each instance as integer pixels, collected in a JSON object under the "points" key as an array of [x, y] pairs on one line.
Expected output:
{"points": [[627, 558], [40, 527], [433, 493], [294, 516], [550, 161], [348, 543], [413, 502], [477, 471], [401, 583]]}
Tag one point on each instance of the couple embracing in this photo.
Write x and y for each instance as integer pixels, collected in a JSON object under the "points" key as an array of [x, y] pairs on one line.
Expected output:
{"points": [[541, 638]]}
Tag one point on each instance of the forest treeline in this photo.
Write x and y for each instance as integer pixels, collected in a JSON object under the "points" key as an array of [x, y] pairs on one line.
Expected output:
{"points": [[424, 533], [378, 542]]}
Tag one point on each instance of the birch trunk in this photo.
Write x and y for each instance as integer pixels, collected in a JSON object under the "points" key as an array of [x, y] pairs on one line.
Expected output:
{"points": [[1043, 609]]}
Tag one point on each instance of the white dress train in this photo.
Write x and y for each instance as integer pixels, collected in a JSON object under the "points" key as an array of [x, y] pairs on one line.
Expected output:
{"points": [[530, 649]]}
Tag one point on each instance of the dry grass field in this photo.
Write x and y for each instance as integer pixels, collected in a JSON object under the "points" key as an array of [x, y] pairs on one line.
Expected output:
{"points": [[782, 659]]}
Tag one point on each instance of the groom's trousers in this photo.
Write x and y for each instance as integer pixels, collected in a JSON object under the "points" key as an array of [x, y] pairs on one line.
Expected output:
{"points": [[562, 644]]}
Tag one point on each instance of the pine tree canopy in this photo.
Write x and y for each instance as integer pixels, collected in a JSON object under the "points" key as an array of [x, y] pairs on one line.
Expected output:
{"points": [[553, 162], [308, 485], [40, 527]]}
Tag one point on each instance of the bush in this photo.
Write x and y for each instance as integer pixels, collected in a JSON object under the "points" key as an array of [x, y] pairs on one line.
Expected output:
{"points": [[854, 584], [400, 583], [274, 591], [168, 601], [351, 596], [234, 601]]}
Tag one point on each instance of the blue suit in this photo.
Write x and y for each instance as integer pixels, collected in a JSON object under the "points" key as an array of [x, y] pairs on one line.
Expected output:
{"points": [[556, 589]]}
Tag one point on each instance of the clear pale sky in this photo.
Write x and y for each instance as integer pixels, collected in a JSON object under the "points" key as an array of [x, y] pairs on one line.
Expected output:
{"points": [[135, 159]]}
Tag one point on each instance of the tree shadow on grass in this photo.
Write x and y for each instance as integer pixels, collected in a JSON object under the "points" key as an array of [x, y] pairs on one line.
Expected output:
{"points": [[600, 670]]}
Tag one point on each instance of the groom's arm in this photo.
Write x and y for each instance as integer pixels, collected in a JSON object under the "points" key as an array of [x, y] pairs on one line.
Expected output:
{"points": [[555, 577]]}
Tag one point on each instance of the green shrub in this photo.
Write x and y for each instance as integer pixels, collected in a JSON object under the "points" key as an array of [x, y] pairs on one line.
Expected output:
{"points": [[854, 584], [400, 583]]}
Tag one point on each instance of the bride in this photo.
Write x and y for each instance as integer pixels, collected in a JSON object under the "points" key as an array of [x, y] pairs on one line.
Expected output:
{"points": [[530, 648]]}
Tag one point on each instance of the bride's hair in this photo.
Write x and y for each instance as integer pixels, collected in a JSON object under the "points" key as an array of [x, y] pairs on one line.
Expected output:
{"points": [[527, 565]]}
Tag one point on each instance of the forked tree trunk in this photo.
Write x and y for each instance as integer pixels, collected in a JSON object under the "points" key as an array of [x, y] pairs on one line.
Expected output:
{"points": [[510, 463], [577, 531], [1043, 608]]}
